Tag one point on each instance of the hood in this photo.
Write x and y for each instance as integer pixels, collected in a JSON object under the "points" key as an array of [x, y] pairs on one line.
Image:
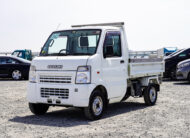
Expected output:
{"points": [[69, 63], [184, 61]]}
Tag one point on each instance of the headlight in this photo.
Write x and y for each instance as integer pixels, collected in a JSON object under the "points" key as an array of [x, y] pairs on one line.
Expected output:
{"points": [[32, 74], [183, 65], [83, 75]]}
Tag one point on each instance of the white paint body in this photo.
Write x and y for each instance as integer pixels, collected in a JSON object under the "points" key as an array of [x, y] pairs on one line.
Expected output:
{"points": [[112, 74]]}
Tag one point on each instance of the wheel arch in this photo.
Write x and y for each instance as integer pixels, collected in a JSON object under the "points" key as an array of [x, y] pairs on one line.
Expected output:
{"points": [[102, 89], [151, 81], [157, 86]]}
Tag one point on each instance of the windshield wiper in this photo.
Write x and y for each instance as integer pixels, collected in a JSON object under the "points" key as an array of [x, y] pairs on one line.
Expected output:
{"points": [[62, 50], [62, 54]]}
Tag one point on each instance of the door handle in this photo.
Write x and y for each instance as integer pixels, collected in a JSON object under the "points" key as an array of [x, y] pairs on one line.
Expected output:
{"points": [[122, 61]]}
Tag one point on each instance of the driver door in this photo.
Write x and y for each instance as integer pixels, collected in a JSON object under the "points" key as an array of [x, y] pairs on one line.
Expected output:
{"points": [[114, 65]]}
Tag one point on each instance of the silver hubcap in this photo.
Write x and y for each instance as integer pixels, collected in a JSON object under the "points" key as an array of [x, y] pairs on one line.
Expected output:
{"points": [[16, 74], [152, 94], [97, 105]]}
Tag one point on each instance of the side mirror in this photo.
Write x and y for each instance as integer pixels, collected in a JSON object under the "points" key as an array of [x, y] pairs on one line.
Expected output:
{"points": [[108, 51]]}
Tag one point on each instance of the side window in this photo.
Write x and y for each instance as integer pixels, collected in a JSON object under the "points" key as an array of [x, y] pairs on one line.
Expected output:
{"points": [[11, 61], [20, 55], [182, 55], [27, 53], [188, 53], [112, 45], [2, 61]]}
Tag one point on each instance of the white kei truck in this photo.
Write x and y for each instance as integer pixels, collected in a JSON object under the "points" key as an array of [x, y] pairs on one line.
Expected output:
{"points": [[89, 66]]}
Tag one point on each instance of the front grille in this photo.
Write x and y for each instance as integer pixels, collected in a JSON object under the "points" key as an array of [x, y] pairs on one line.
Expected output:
{"points": [[55, 79], [59, 92]]}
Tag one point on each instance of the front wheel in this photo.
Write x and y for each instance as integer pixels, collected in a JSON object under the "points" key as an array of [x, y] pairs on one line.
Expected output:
{"points": [[96, 106], [38, 109], [150, 95]]}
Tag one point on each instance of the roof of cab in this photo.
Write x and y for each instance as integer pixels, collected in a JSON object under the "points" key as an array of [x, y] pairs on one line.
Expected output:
{"points": [[90, 27]]}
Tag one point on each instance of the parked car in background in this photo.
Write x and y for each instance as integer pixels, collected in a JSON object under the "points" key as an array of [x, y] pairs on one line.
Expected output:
{"points": [[25, 54], [165, 51], [172, 61], [183, 70], [174, 53], [14, 67]]}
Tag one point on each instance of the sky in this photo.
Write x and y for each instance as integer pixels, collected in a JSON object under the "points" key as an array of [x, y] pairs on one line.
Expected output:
{"points": [[150, 24]]}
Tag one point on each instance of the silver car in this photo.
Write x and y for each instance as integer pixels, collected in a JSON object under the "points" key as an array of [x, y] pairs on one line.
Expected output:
{"points": [[183, 70]]}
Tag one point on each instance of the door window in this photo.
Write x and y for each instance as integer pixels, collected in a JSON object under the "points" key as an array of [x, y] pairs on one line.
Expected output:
{"points": [[11, 61], [20, 55], [113, 41], [2, 61], [182, 55]]}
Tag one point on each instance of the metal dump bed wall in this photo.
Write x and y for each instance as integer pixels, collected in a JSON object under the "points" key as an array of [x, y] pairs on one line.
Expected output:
{"points": [[145, 67]]}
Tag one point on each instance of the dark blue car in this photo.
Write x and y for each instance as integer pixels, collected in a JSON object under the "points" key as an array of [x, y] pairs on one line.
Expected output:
{"points": [[171, 62], [14, 67]]}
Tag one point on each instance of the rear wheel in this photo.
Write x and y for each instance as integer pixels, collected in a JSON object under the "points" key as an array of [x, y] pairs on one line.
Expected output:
{"points": [[16, 75], [150, 95], [96, 106], [38, 109]]}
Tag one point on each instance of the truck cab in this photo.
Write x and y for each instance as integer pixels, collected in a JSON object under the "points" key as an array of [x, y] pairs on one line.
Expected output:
{"points": [[25, 54], [87, 66]]}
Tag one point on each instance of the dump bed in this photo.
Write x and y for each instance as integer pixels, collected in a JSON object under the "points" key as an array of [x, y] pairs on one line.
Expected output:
{"points": [[149, 66]]}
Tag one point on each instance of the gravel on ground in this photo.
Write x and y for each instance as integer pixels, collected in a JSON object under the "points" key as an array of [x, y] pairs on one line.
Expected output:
{"points": [[170, 117]]}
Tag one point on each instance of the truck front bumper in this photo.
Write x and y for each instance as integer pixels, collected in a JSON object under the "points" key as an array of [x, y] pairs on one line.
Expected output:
{"points": [[76, 95]]}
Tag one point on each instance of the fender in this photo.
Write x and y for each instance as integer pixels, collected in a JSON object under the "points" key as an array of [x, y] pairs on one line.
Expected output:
{"points": [[147, 80]]}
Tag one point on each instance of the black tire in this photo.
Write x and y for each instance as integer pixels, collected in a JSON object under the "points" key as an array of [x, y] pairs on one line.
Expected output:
{"points": [[150, 95], [99, 104], [38, 109]]}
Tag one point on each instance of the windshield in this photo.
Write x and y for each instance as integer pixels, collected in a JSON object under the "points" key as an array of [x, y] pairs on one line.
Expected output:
{"points": [[72, 42], [17, 54]]}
